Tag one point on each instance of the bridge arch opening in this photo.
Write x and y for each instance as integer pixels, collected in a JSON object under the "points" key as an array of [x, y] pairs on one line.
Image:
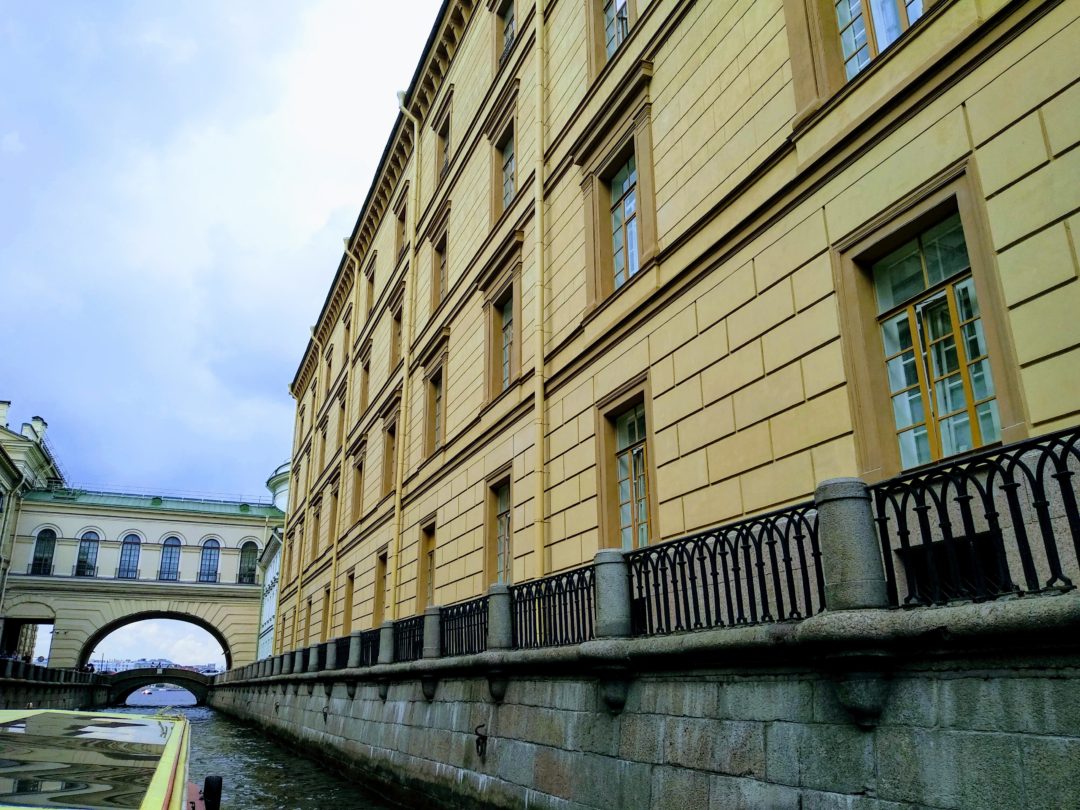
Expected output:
{"points": [[155, 642]]}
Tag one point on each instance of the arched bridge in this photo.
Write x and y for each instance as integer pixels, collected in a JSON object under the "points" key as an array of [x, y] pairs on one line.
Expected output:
{"points": [[122, 684]]}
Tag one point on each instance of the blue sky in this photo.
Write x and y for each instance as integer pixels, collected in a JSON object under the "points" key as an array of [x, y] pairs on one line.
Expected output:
{"points": [[175, 181]]}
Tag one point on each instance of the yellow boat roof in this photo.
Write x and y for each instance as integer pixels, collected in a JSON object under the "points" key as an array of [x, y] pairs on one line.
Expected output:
{"points": [[90, 760]]}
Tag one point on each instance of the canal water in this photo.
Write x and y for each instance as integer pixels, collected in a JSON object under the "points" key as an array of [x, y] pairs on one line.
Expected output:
{"points": [[257, 772]]}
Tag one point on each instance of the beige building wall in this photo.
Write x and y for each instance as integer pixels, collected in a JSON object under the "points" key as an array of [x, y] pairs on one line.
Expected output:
{"points": [[767, 185]]}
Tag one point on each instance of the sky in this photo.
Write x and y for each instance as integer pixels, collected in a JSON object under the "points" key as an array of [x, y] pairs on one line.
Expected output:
{"points": [[175, 183], [178, 641]]}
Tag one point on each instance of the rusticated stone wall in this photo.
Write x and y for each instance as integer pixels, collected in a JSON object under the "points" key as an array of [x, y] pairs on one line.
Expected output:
{"points": [[972, 706]]}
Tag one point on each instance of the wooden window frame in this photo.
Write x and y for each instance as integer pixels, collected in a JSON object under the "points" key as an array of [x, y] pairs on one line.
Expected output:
{"points": [[401, 225], [346, 336], [364, 380], [494, 482], [369, 276], [817, 57], [359, 459], [438, 236], [324, 629], [425, 573], [347, 603], [500, 278], [596, 35], [441, 121], [500, 48], [389, 471], [877, 453], [435, 407], [316, 529], [629, 395], [623, 127], [378, 606], [500, 123], [396, 309], [334, 519]]}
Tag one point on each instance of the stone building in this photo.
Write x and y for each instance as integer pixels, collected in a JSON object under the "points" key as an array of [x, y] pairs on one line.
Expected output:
{"points": [[633, 269]]}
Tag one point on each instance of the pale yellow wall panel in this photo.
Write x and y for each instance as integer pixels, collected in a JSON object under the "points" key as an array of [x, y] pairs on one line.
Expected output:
{"points": [[1047, 324], [742, 367], [783, 481], [1036, 264], [1037, 200], [1015, 152]]}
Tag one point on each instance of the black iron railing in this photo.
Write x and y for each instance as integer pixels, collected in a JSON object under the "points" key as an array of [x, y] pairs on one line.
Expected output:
{"points": [[553, 611], [83, 570], [1001, 521], [369, 648], [409, 639], [208, 576], [40, 568], [464, 627], [127, 573], [245, 578], [168, 576], [341, 652], [763, 569]]}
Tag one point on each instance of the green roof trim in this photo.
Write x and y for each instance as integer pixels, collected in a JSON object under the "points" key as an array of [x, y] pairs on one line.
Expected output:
{"points": [[125, 500]]}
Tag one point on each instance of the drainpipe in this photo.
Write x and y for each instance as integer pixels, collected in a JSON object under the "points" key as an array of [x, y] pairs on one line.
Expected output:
{"points": [[307, 494], [540, 331], [407, 329]]}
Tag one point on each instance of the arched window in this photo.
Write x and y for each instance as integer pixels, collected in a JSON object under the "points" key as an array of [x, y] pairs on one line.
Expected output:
{"points": [[249, 554], [129, 558], [44, 548], [86, 563], [170, 559], [208, 564]]}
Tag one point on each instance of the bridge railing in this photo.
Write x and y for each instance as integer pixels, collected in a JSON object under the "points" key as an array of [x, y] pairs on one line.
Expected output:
{"points": [[16, 670]]}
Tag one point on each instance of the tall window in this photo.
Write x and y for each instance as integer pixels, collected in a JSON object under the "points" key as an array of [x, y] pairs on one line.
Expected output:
{"points": [[307, 623], [500, 556], [379, 608], [324, 632], [435, 412], [249, 556], [389, 456], [322, 448], [507, 30], [370, 285], [442, 146], [365, 376], [346, 347], [169, 570], [347, 607], [129, 558], [86, 562], [334, 502], [425, 585], [624, 223], [395, 335], [867, 27], [341, 421], [631, 474], [358, 488], [316, 529], [399, 228], [438, 272], [616, 24], [938, 368], [208, 561], [44, 549], [508, 176]]}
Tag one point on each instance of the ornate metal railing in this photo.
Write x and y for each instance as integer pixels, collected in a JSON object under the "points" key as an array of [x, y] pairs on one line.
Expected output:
{"points": [[409, 639], [464, 627], [763, 569], [553, 611], [1002, 521], [369, 648]]}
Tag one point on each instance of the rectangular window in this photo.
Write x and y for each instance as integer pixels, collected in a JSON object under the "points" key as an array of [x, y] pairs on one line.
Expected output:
{"points": [[322, 448], [307, 623], [435, 412], [631, 474], [347, 340], [500, 551], [506, 340], [442, 147], [624, 222], [868, 27], [395, 336], [616, 24], [936, 358], [508, 31], [508, 179], [370, 284], [399, 230], [438, 273], [365, 376], [347, 606], [333, 516], [425, 586], [316, 516], [324, 631], [341, 422], [389, 457], [379, 607], [358, 489]]}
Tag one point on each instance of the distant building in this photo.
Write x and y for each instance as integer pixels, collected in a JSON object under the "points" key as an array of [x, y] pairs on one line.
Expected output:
{"points": [[270, 565]]}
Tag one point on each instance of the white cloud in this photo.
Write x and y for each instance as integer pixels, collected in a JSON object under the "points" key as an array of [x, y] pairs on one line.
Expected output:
{"points": [[178, 641], [11, 143]]}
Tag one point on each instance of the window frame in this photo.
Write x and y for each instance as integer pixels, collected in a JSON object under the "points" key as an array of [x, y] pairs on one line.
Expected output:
{"points": [[636, 391], [876, 450], [209, 569], [500, 125], [378, 607], [396, 310], [499, 281], [123, 572], [38, 561], [401, 225], [502, 477], [356, 504], [621, 128], [596, 33], [390, 440], [172, 575], [87, 562], [426, 565], [501, 48], [441, 123]]}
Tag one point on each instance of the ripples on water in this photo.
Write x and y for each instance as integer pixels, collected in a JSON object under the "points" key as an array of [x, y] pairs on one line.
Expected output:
{"points": [[258, 773]]}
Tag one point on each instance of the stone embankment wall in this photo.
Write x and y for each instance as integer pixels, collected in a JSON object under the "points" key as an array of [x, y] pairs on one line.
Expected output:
{"points": [[28, 686], [967, 706]]}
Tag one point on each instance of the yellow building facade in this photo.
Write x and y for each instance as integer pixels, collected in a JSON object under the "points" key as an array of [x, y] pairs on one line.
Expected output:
{"points": [[632, 269]]}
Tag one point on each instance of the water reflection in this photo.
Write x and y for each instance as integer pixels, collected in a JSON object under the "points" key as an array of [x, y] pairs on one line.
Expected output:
{"points": [[257, 772]]}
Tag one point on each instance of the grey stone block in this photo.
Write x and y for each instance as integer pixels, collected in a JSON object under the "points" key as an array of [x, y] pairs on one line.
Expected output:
{"points": [[1037, 705], [512, 760], [990, 771], [594, 732], [735, 748], [779, 698], [740, 793], [683, 698], [918, 765], [826, 757], [678, 789], [641, 738], [1051, 772]]}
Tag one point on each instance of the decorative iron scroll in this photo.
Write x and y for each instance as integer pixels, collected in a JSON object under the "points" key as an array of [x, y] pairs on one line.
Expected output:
{"points": [[1001, 521], [553, 611], [464, 627], [763, 569]]}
